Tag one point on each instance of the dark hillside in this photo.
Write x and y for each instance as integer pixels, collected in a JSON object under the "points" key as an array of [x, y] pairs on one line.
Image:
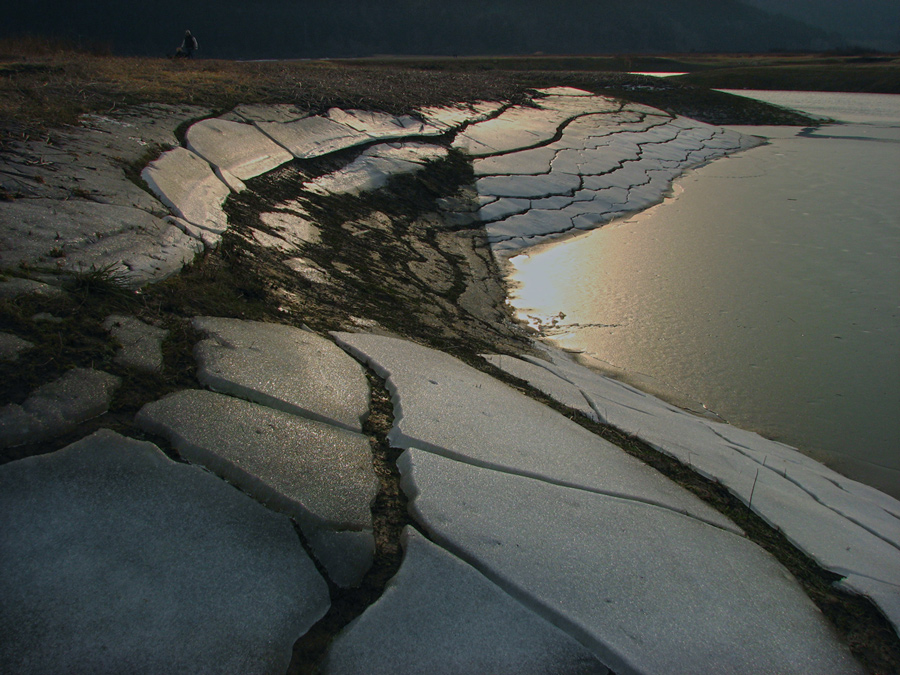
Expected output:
{"points": [[866, 24], [305, 28]]}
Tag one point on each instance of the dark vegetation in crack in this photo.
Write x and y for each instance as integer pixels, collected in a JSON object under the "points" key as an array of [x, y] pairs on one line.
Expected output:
{"points": [[389, 516]]}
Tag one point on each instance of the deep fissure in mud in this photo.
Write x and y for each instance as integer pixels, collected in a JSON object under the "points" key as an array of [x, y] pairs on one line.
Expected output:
{"points": [[857, 620], [389, 517]]}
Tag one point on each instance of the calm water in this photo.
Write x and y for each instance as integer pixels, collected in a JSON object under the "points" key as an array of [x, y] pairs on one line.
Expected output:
{"points": [[766, 289]]}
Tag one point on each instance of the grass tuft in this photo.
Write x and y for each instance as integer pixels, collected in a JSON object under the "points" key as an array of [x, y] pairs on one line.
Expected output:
{"points": [[107, 281]]}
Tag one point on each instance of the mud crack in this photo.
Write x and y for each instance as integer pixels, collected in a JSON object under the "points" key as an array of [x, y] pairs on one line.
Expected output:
{"points": [[389, 517]]}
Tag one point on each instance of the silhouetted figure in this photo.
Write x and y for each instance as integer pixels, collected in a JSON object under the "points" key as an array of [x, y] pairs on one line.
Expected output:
{"points": [[188, 47]]}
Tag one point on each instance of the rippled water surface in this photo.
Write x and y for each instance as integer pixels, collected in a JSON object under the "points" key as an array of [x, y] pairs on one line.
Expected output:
{"points": [[766, 289]]}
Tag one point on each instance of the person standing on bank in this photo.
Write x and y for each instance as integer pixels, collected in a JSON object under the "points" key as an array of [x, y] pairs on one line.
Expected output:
{"points": [[188, 47]]}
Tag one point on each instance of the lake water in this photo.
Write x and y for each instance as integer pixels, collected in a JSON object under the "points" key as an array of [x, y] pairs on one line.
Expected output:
{"points": [[765, 289]]}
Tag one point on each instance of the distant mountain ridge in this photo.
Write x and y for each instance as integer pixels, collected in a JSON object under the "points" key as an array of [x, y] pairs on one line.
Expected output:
{"points": [[310, 29], [872, 24]]}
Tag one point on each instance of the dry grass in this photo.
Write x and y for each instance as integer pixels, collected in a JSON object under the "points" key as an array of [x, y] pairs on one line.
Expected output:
{"points": [[47, 89], [878, 78], [44, 85], [813, 72]]}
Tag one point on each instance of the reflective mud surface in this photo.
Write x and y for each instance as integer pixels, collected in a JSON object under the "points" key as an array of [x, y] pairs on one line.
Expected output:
{"points": [[766, 290]]}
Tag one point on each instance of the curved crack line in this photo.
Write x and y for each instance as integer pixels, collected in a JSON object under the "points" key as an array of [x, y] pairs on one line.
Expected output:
{"points": [[531, 601], [456, 456], [398, 439], [793, 481], [574, 148], [560, 130], [540, 235], [390, 517], [870, 577], [639, 145], [491, 116], [685, 163]]}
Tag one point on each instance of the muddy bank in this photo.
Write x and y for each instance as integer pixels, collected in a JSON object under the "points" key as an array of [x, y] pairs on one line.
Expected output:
{"points": [[409, 259]]}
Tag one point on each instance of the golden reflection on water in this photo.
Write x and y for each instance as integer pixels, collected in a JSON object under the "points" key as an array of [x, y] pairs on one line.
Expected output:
{"points": [[767, 291]]}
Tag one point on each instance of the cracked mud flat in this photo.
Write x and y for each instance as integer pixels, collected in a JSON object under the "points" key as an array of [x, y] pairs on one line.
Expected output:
{"points": [[721, 294], [604, 162], [411, 259], [539, 172]]}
